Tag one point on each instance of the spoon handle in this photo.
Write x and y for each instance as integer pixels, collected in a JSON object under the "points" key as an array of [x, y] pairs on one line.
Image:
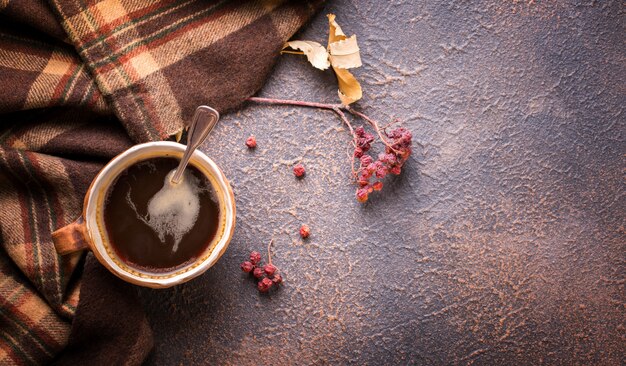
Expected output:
{"points": [[204, 119]]}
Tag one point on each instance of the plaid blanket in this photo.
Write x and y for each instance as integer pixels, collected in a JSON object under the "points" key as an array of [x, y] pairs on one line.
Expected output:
{"points": [[80, 81]]}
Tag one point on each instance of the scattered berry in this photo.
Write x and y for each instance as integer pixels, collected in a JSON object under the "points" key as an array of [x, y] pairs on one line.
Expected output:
{"points": [[255, 258], [277, 279], [269, 269], [305, 232], [299, 171], [265, 284], [258, 272], [247, 266], [251, 142], [377, 186]]}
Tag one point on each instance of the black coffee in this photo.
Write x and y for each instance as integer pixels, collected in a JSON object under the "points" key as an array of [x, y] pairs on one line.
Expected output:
{"points": [[155, 226]]}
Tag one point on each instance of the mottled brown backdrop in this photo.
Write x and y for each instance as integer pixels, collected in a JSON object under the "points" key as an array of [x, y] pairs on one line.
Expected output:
{"points": [[502, 242]]}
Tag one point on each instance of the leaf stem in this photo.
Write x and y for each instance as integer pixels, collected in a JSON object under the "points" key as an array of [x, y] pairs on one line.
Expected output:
{"points": [[294, 102], [269, 252], [292, 52], [345, 120]]}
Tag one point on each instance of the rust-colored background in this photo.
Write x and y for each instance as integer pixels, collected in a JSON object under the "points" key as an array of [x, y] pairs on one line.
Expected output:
{"points": [[503, 241]]}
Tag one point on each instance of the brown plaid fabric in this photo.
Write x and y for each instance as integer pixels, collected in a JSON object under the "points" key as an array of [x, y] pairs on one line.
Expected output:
{"points": [[80, 81]]}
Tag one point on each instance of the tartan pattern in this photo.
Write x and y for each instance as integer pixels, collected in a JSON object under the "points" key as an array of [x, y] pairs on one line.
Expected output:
{"points": [[55, 75], [82, 80], [129, 47], [39, 192]]}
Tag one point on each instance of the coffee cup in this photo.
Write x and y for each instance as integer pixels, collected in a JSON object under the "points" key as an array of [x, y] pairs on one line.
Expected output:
{"points": [[89, 231]]}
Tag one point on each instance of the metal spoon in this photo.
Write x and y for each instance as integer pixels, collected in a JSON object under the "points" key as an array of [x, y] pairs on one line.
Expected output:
{"points": [[203, 122]]}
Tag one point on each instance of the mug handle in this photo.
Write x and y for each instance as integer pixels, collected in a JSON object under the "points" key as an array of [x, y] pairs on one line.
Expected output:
{"points": [[71, 238]]}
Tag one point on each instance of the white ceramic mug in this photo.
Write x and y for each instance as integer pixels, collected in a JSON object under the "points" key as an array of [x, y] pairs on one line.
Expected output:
{"points": [[88, 231]]}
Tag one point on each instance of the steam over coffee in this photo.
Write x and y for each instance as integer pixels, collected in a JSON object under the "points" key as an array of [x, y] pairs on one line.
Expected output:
{"points": [[156, 226]]}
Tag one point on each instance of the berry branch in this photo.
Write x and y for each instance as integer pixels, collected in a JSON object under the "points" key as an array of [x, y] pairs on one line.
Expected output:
{"points": [[396, 153], [337, 108]]}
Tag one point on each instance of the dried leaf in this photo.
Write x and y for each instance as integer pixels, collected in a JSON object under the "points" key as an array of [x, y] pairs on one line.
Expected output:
{"points": [[335, 33], [349, 87], [345, 54], [315, 52], [342, 53], [179, 135]]}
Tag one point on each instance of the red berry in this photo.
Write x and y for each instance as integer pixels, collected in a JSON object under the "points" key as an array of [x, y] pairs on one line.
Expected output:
{"points": [[255, 257], [387, 158], [381, 172], [364, 144], [264, 285], [358, 152], [377, 186], [305, 231], [299, 171], [277, 279], [394, 134], [258, 272], [251, 142], [247, 266], [366, 160], [396, 170], [269, 269], [362, 194]]}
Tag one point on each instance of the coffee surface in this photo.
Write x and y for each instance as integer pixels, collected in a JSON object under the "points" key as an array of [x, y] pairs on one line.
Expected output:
{"points": [[155, 226]]}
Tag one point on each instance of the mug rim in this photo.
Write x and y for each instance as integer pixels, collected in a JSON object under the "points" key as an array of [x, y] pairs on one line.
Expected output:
{"points": [[101, 185]]}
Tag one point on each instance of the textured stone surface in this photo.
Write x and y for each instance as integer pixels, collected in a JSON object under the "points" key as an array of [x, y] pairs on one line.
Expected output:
{"points": [[502, 242]]}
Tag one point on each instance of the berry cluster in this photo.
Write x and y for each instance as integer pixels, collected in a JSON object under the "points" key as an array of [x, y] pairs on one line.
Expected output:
{"points": [[267, 275], [391, 161]]}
